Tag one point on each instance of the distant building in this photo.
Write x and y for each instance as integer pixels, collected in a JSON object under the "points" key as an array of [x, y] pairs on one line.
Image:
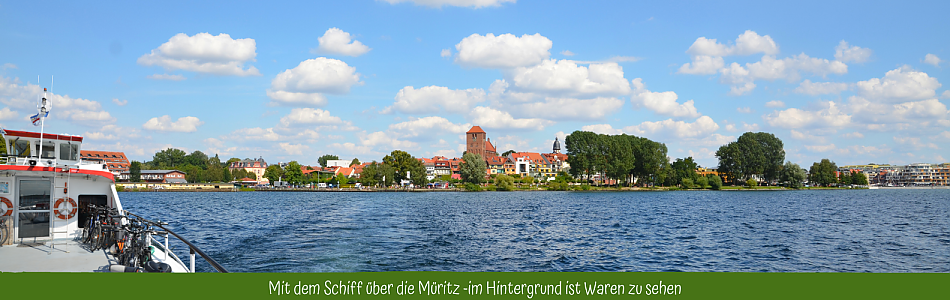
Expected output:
{"points": [[477, 142], [116, 162], [256, 166], [159, 176], [338, 163]]}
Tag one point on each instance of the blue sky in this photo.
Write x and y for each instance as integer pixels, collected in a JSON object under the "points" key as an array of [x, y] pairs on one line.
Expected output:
{"points": [[856, 82]]}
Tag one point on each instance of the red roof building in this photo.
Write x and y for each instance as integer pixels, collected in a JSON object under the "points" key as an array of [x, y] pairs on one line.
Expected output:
{"points": [[116, 162]]}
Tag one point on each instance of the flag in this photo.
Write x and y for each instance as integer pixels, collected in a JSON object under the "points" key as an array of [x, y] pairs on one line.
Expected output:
{"points": [[36, 118]]}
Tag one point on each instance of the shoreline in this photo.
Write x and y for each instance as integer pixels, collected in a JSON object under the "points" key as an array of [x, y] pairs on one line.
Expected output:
{"points": [[593, 189]]}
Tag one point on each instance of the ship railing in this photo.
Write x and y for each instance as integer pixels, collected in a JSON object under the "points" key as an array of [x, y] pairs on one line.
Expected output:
{"points": [[192, 248]]}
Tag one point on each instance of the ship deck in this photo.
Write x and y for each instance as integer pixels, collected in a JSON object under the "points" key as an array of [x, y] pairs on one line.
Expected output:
{"points": [[60, 256]]}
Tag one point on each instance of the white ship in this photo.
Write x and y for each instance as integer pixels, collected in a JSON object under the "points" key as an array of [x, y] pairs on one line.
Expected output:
{"points": [[46, 198]]}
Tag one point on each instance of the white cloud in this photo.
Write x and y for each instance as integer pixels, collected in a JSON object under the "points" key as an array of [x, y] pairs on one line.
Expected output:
{"points": [[502, 51], [75, 110], [433, 99], [821, 148], [7, 114], [943, 135], [294, 149], [844, 53], [820, 88], [446, 53], [747, 43], [768, 68], [914, 142], [174, 77], [204, 53], [946, 94], [703, 65], [336, 41], [427, 128], [164, 123], [745, 110], [602, 129], [353, 149], [564, 78], [803, 136], [567, 53], [309, 116], [908, 113], [306, 83], [8, 66], [386, 140], [828, 115], [899, 85], [932, 59], [853, 135], [120, 102], [564, 109], [775, 104], [495, 119], [112, 132], [666, 129], [663, 103], [253, 134], [461, 3]]}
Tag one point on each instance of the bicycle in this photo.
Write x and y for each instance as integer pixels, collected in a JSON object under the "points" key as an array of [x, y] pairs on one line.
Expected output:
{"points": [[3, 230]]}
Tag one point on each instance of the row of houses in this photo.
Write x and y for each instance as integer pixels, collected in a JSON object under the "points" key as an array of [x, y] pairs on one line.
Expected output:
{"points": [[919, 174]]}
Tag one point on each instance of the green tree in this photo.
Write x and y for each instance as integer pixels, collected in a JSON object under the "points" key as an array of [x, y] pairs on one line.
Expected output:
{"points": [[751, 183], [508, 152], [684, 169], [3, 146], [370, 175], [168, 159], [753, 153], [323, 159], [356, 161], [528, 180], [844, 178], [687, 183], [859, 178], [193, 173], [792, 175], [198, 159], [135, 171], [652, 163], [401, 162], [472, 168], [715, 182], [273, 173], [504, 182], [823, 173], [386, 174], [293, 174], [341, 179], [702, 182]]}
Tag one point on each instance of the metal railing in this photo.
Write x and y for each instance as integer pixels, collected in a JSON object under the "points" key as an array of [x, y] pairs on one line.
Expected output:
{"points": [[192, 248]]}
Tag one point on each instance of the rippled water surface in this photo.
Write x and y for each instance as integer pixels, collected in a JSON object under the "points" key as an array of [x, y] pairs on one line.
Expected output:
{"points": [[774, 231]]}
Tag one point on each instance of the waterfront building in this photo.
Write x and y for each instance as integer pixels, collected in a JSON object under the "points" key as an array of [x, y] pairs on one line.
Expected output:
{"points": [[116, 162], [256, 166], [920, 174], [158, 176], [477, 142]]}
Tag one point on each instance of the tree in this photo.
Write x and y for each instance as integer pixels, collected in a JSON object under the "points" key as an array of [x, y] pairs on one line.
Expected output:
{"points": [[504, 182], [192, 173], [198, 159], [370, 175], [528, 180], [792, 175], [859, 178], [472, 168], [135, 171], [702, 182], [508, 152], [823, 173], [323, 159], [341, 179], [356, 161], [273, 173], [687, 183], [684, 169], [751, 183], [753, 153], [292, 173], [386, 175], [168, 158], [715, 182], [401, 162]]}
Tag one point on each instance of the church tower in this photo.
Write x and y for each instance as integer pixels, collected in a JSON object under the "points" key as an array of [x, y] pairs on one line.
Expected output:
{"points": [[475, 141], [557, 146]]}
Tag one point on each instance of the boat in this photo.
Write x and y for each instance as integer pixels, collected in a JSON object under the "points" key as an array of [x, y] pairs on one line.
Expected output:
{"points": [[47, 195]]}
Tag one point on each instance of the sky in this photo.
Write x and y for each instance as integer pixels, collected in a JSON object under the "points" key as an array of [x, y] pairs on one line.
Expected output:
{"points": [[856, 82]]}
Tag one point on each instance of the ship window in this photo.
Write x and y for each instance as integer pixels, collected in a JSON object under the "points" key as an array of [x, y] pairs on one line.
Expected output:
{"points": [[48, 151], [22, 148], [68, 152]]}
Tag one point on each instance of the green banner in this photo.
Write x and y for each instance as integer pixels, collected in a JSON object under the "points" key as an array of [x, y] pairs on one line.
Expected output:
{"points": [[449, 285]]}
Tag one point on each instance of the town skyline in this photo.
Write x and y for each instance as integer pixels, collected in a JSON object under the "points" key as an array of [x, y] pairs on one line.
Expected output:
{"points": [[360, 79]]}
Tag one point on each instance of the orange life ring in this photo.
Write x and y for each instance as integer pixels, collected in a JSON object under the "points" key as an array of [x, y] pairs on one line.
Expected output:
{"points": [[9, 204], [59, 213]]}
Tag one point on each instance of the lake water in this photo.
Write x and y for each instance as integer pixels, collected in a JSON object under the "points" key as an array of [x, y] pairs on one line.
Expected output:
{"points": [[694, 231]]}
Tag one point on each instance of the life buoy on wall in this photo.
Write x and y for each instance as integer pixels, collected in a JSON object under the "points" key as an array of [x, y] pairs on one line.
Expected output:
{"points": [[59, 212], [8, 207]]}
